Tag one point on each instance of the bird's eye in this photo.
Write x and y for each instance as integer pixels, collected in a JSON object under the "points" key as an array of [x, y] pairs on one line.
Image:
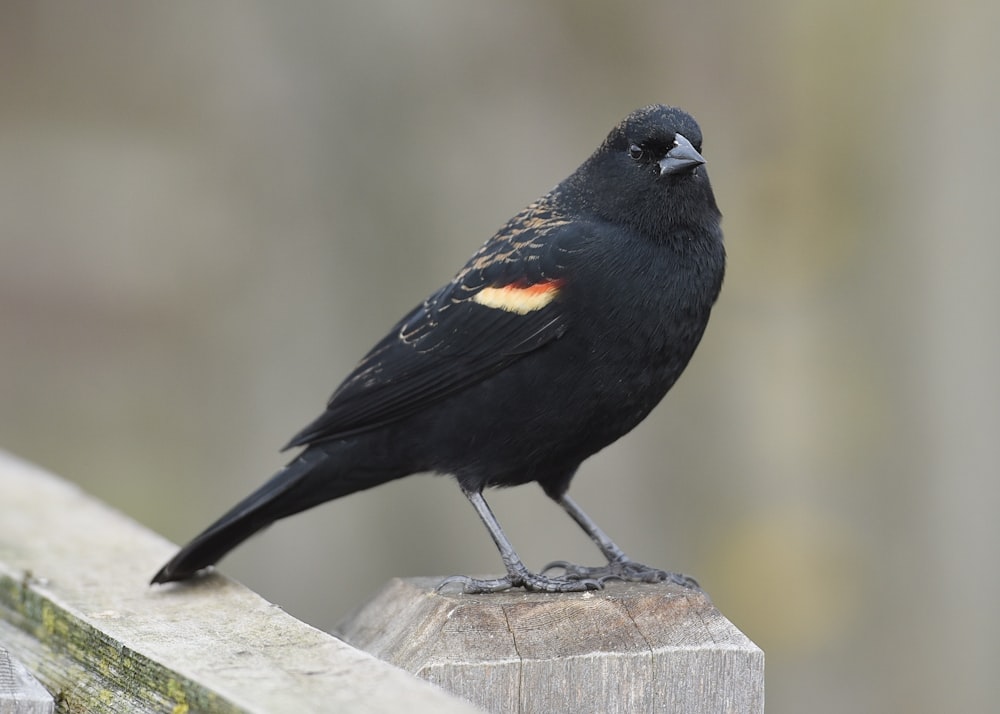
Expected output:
{"points": [[635, 151]]}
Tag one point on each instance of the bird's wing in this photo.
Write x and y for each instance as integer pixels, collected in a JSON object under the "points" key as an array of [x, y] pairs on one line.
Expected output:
{"points": [[502, 305]]}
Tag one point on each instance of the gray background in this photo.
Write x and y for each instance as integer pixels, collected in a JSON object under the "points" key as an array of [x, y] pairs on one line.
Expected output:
{"points": [[209, 212]]}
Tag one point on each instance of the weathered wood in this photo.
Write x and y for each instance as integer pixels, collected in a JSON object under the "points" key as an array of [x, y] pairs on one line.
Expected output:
{"points": [[76, 610], [628, 648], [20, 693]]}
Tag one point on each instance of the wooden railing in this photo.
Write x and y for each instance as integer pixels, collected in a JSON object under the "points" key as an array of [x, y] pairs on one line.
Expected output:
{"points": [[77, 614]]}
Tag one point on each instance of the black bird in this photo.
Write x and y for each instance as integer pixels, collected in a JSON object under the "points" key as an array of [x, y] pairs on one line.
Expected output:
{"points": [[559, 336]]}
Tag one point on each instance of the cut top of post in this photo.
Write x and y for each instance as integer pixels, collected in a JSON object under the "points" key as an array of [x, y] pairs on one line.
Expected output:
{"points": [[630, 647]]}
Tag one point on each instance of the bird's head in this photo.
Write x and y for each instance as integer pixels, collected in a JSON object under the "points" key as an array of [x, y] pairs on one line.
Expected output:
{"points": [[649, 173]]}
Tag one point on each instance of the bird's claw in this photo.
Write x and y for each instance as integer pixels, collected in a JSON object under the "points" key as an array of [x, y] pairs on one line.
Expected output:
{"points": [[531, 582], [625, 570], [473, 585]]}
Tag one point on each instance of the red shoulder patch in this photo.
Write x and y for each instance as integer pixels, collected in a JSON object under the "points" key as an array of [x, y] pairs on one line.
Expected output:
{"points": [[519, 297]]}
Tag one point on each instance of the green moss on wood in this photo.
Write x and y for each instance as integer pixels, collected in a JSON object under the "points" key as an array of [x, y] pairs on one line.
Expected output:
{"points": [[87, 670]]}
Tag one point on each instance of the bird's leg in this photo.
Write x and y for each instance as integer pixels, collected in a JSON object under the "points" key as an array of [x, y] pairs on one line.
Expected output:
{"points": [[620, 566], [517, 574]]}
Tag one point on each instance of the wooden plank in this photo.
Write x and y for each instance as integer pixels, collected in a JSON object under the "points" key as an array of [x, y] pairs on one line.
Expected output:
{"points": [[628, 648], [76, 610], [20, 693]]}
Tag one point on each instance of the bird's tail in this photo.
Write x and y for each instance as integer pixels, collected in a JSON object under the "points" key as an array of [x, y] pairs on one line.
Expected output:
{"points": [[312, 478]]}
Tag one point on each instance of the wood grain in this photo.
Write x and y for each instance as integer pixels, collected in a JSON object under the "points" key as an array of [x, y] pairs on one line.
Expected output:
{"points": [[76, 610], [20, 693], [628, 648]]}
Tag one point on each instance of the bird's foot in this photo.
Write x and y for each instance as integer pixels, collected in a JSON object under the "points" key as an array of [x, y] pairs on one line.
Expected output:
{"points": [[623, 569], [532, 582]]}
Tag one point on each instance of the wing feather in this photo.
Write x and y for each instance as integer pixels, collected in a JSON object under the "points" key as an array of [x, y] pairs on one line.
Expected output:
{"points": [[451, 342]]}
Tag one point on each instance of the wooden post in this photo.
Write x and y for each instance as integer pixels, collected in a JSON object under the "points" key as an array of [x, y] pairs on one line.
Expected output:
{"points": [[75, 609], [629, 648], [20, 693]]}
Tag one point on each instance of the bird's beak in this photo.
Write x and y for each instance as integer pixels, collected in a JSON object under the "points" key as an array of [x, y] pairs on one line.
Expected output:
{"points": [[682, 156]]}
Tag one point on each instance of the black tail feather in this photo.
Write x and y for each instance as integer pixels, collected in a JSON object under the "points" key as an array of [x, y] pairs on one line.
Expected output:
{"points": [[309, 480]]}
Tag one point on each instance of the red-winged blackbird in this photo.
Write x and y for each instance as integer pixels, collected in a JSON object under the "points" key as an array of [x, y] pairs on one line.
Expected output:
{"points": [[559, 336]]}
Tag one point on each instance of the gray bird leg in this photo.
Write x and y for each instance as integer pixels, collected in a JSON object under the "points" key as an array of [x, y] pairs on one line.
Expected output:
{"points": [[517, 574]]}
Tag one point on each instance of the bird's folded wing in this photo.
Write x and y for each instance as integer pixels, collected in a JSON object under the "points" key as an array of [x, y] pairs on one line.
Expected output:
{"points": [[504, 304]]}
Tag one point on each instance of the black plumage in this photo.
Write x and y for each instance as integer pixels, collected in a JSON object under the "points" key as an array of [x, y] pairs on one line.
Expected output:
{"points": [[557, 337]]}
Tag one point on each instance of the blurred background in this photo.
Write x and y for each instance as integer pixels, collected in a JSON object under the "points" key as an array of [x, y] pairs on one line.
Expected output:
{"points": [[208, 213]]}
